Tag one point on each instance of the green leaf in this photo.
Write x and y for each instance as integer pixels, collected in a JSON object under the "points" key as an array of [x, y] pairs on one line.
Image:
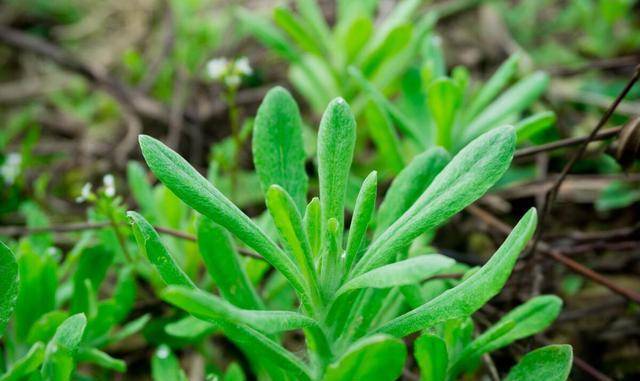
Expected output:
{"points": [[201, 195], [532, 125], [312, 15], [410, 183], [45, 327], [129, 329], [190, 328], [59, 359], [27, 364], [377, 357], [313, 225], [362, 214], [354, 37], [409, 271], [467, 177], [234, 373], [100, 358], [141, 189], [278, 149], [394, 42], [212, 308], [267, 34], [37, 295], [432, 357], [530, 318], [443, 99], [92, 266], [516, 99], [289, 224], [296, 29], [9, 282], [550, 363], [493, 86], [151, 245], [223, 264], [472, 293], [384, 136], [165, 366]]}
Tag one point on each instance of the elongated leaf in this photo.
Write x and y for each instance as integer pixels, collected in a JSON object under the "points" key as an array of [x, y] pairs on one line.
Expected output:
{"points": [[223, 264], [409, 271], [384, 136], [529, 318], [353, 37], [396, 40], [102, 359], [494, 85], [296, 29], [60, 353], [336, 140], [444, 98], [409, 185], [190, 328], [431, 355], [377, 357], [312, 15], [467, 177], [45, 327], [312, 225], [8, 285], [267, 33], [278, 150], [472, 293], [289, 223], [165, 366], [362, 214], [202, 196], [550, 363], [151, 245], [516, 99], [141, 189], [92, 266], [25, 365], [534, 124], [206, 306]]}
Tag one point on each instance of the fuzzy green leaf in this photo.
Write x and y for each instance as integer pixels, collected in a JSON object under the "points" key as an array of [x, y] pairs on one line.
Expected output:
{"points": [[278, 150], [409, 185], [515, 100], [151, 245], [141, 190], [362, 214], [60, 353], [201, 195], [27, 364], [224, 266], [289, 224], [409, 271], [377, 357], [534, 124], [467, 177], [493, 86], [432, 357], [550, 363], [472, 293], [443, 99], [9, 280], [296, 29], [312, 225], [212, 308], [102, 359], [165, 366]]}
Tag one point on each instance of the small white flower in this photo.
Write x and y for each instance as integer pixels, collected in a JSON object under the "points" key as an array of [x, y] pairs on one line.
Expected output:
{"points": [[11, 167], [242, 66], [163, 352], [217, 68], [109, 185], [85, 193], [232, 80]]}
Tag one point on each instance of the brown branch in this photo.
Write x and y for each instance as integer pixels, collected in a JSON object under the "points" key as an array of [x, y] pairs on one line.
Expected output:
{"points": [[557, 255], [19, 231], [529, 151], [552, 193], [168, 42]]}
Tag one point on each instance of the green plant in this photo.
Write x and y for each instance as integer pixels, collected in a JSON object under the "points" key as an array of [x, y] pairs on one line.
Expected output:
{"points": [[394, 76], [357, 301]]}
